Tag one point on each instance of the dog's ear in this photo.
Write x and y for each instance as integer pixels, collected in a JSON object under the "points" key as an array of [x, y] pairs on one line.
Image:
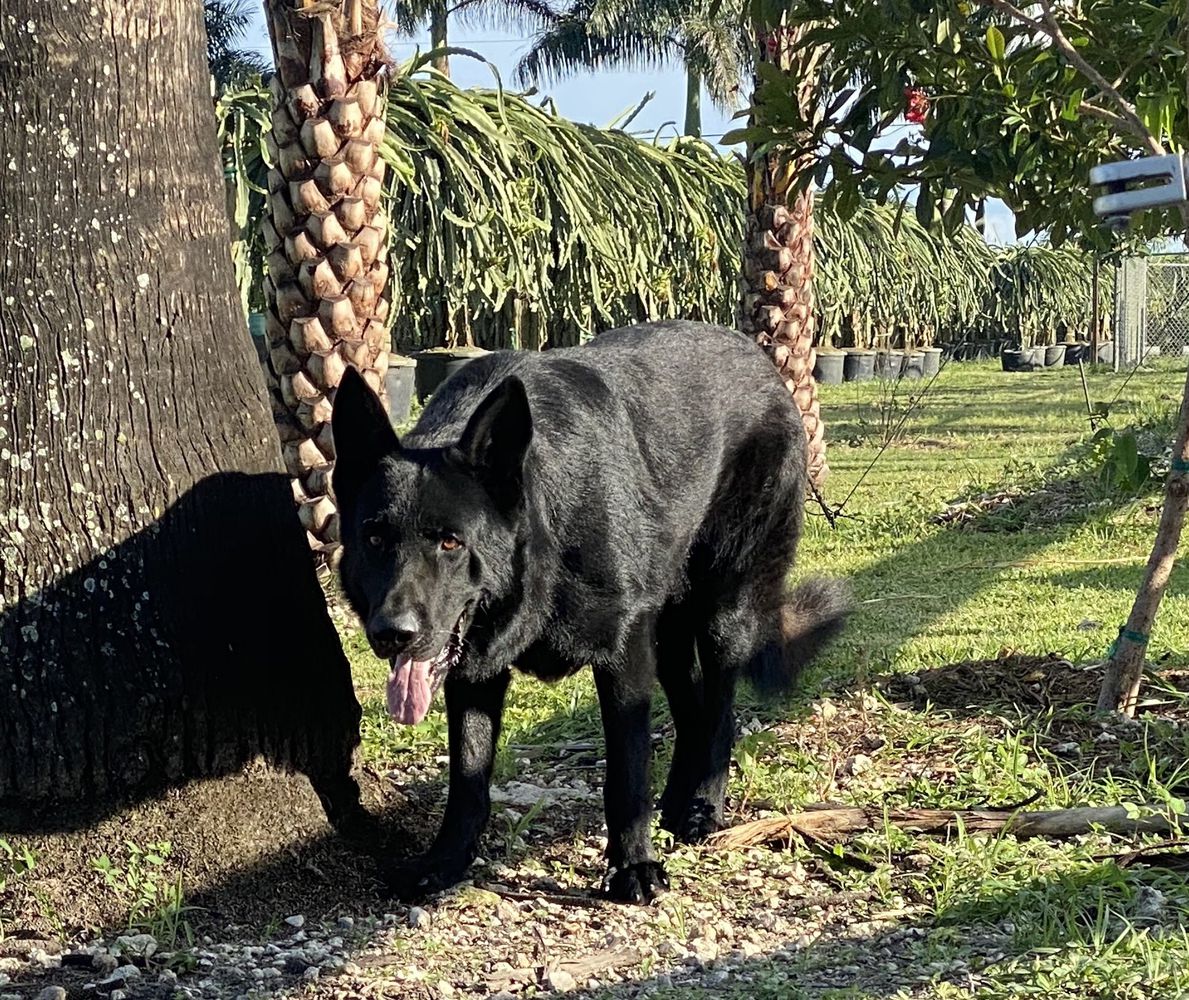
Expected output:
{"points": [[362, 435], [496, 440]]}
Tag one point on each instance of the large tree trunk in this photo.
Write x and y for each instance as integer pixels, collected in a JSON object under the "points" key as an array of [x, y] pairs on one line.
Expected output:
{"points": [[327, 265], [777, 305], [159, 616]]}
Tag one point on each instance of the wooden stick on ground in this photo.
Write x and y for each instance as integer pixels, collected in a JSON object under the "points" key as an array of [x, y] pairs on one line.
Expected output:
{"points": [[828, 822]]}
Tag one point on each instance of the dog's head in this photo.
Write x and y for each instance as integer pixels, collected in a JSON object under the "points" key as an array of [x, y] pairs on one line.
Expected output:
{"points": [[427, 533]]}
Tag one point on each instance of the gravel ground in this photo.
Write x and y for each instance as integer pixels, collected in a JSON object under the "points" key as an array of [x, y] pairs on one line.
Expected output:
{"points": [[759, 919], [305, 920]]}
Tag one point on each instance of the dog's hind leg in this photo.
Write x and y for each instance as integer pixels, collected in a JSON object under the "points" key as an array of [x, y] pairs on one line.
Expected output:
{"points": [[702, 700], [681, 679], [741, 628], [705, 768], [625, 700]]}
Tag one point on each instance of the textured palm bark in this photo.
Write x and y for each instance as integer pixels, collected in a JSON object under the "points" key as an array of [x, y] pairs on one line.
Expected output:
{"points": [[777, 302], [326, 235], [149, 548]]}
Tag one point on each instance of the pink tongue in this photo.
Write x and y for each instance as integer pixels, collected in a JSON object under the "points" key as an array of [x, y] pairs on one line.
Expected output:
{"points": [[409, 690]]}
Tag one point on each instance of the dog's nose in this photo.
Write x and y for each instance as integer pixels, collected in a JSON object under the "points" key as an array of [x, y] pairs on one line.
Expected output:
{"points": [[393, 633]]}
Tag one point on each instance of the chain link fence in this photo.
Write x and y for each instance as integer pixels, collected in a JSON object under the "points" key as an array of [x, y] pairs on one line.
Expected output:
{"points": [[1151, 308]]}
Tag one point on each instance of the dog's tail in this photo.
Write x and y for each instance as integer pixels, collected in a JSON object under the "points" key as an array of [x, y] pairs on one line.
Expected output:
{"points": [[813, 614]]}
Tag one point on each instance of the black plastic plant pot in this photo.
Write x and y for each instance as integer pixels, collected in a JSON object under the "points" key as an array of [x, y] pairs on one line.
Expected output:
{"points": [[1077, 352], [933, 357], [400, 383], [1106, 352], [1012, 359], [859, 366], [1054, 356], [914, 365], [437, 365], [829, 367], [888, 363]]}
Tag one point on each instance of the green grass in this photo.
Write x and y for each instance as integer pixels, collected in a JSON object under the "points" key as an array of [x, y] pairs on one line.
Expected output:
{"points": [[1054, 573]]}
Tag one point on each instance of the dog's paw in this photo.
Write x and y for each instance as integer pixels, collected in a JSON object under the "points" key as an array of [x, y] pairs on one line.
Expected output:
{"points": [[413, 879], [639, 883], [700, 821], [696, 821]]}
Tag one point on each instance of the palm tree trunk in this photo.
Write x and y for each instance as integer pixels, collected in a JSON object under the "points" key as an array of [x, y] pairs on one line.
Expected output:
{"points": [[159, 618], [327, 265], [777, 307], [693, 102], [438, 36]]}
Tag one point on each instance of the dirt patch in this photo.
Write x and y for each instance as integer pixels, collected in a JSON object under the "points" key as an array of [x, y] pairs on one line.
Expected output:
{"points": [[1012, 679], [1012, 508], [247, 848]]}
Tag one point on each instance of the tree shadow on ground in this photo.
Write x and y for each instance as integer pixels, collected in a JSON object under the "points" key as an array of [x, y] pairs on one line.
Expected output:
{"points": [[927, 578], [173, 655]]}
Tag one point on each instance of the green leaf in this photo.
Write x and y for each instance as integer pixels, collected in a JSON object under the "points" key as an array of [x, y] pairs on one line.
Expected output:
{"points": [[995, 43], [1070, 111], [1143, 471], [741, 136]]}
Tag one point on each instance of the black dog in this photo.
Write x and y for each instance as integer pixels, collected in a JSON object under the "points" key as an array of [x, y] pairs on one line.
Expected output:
{"points": [[634, 505]]}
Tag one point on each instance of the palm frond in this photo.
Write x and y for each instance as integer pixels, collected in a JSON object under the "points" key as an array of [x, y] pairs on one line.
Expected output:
{"points": [[720, 50], [570, 47], [409, 17], [227, 21], [510, 14]]}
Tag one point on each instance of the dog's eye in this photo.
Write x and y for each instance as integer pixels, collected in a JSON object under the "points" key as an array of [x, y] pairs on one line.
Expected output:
{"points": [[449, 543], [375, 541]]}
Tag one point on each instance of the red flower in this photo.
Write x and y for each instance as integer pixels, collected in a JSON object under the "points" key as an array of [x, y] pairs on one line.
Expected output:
{"points": [[916, 105]]}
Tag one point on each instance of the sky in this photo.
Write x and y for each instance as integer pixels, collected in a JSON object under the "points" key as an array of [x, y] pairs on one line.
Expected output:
{"points": [[595, 98]]}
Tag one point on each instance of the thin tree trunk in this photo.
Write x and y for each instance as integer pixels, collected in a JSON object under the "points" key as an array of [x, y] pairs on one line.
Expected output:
{"points": [[693, 102], [1124, 668], [438, 36], [777, 303], [1095, 307], [327, 235], [1125, 664], [159, 617]]}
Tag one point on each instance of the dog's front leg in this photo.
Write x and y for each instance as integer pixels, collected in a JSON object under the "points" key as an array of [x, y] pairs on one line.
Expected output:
{"points": [[625, 699], [473, 713]]}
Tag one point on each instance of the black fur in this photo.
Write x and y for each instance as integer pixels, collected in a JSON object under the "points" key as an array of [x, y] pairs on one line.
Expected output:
{"points": [[634, 505]]}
